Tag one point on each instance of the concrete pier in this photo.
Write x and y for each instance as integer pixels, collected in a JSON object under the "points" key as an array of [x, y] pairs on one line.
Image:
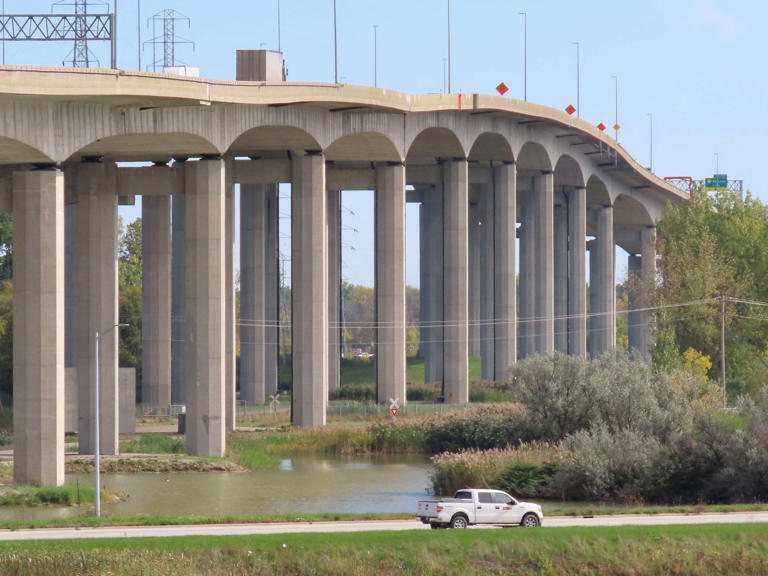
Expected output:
{"points": [[309, 271], [474, 279], [253, 221], [505, 288], [96, 305], [431, 217], [390, 283], [334, 289], [488, 269], [577, 284], [272, 289], [230, 359], [204, 313], [455, 282], [38, 306], [178, 283], [544, 263], [561, 277], [156, 303], [603, 275], [527, 324]]}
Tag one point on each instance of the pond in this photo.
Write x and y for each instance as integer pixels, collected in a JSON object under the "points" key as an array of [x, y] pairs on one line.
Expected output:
{"points": [[300, 484]]}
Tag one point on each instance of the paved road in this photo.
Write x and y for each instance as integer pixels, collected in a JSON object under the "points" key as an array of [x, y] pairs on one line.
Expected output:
{"points": [[296, 527]]}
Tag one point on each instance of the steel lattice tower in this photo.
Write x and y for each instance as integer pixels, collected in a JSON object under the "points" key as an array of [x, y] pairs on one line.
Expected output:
{"points": [[80, 56], [165, 20]]}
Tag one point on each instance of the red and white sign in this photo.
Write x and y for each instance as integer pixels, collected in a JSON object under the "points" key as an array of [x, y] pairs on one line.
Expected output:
{"points": [[502, 89], [394, 412], [570, 109]]}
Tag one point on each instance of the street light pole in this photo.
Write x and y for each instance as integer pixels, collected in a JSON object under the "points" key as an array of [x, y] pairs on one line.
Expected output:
{"points": [[650, 116], [335, 47], [449, 46], [96, 418], [279, 47], [525, 54], [578, 91], [375, 56], [616, 125]]}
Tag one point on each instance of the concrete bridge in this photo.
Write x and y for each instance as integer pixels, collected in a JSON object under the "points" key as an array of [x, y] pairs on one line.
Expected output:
{"points": [[486, 170]]}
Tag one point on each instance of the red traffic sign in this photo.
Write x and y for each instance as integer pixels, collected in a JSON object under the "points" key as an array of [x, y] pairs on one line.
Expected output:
{"points": [[601, 126], [570, 109], [394, 412], [502, 89]]}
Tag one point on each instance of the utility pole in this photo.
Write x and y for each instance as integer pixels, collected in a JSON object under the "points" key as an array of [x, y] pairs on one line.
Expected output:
{"points": [[375, 56], [335, 47], [722, 350], [578, 91], [449, 46], [525, 55]]}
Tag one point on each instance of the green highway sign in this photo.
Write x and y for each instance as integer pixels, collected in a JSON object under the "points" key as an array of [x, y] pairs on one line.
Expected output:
{"points": [[717, 182]]}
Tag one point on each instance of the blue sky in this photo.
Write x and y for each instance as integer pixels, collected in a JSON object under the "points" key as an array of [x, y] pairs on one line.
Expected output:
{"points": [[696, 65]]}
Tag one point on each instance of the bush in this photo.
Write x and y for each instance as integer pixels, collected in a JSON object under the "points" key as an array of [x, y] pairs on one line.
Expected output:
{"points": [[423, 392], [355, 393]]}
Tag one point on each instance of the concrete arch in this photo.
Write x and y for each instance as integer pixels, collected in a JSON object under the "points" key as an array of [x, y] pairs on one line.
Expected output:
{"points": [[568, 172], [597, 193], [434, 143], [533, 156], [272, 139], [14, 151], [147, 147], [363, 147], [491, 146], [630, 213]]}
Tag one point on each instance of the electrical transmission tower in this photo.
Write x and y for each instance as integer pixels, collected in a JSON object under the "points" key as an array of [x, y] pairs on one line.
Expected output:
{"points": [[80, 56], [166, 39]]}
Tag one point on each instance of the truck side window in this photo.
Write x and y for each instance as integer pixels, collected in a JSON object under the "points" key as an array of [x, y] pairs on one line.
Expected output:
{"points": [[463, 495], [500, 498], [485, 497]]}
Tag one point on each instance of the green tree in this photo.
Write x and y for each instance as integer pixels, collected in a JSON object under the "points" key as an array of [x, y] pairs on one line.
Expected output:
{"points": [[6, 248], [129, 253], [129, 276]]}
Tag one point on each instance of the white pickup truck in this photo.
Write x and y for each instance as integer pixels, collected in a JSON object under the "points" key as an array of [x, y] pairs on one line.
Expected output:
{"points": [[478, 506]]}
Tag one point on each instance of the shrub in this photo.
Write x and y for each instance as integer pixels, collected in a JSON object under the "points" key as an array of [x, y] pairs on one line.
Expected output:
{"points": [[355, 392]]}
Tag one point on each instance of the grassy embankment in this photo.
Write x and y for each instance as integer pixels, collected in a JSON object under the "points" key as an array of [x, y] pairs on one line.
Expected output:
{"points": [[694, 550]]}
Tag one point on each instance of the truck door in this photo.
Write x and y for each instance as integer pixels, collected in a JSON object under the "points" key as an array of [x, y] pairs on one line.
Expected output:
{"points": [[485, 509], [506, 508]]}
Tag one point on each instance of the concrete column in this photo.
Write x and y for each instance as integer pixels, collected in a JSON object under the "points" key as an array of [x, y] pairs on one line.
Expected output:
{"points": [[96, 304], [204, 310], [577, 263], [455, 282], [178, 282], [643, 274], [334, 289], [70, 225], [272, 288], [561, 277], [252, 292], [544, 263], [309, 270], [634, 318], [390, 283], [156, 302], [527, 325], [505, 306], [38, 306], [595, 337], [474, 280], [230, 353], [432, 291], [487, 280], [606, 280], [648, 276]]}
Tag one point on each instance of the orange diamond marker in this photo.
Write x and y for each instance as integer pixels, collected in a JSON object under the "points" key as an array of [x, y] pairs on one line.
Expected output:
{"points": [[570, 109], [601, 126], [502, 89]]}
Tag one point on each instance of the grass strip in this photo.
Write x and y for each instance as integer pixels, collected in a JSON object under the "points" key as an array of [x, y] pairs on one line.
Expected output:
{"points": [[720, 549]]}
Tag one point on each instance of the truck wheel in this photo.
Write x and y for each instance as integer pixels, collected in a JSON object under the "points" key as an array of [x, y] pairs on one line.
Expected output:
{"points": [[530, 521], [459, 521]]}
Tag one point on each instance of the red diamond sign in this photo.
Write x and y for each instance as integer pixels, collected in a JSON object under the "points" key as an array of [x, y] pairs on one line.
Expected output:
{"points": [[570, 109], [502, 89], [601, 126]]}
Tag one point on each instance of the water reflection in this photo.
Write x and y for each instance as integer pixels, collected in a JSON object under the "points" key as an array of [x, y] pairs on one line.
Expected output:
{"points": [[303, 484]]}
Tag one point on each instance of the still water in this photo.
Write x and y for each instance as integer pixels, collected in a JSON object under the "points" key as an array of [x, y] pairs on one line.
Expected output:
{"points": [[303, 484]]}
